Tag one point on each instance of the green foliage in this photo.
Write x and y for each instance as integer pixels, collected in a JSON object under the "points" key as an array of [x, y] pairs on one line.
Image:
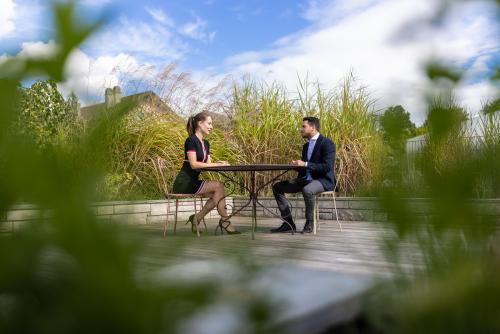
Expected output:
{"points": [[421, 130], [453, 283], [436, 70], [396, 124], [45, 115], [491, 107], [445, 116], [396, 128]]}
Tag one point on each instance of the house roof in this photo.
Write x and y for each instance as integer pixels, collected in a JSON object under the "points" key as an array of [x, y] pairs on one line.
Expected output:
{"points": [[149, 97]]}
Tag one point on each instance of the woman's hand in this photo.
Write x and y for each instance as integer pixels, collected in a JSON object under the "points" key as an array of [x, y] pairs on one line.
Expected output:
{"points": [[223, 163]]}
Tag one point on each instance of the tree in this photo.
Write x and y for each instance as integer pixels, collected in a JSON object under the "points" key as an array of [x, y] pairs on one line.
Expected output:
{"points": [[396, 123], [422, 129], [44, 113]]}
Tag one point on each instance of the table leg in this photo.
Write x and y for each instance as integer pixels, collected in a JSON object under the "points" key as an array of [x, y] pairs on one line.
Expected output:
{"points": [[254, 203]]}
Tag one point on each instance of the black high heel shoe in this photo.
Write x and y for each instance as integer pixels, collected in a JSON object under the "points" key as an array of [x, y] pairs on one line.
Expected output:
{"points": [[194, 225], [222, 227]]}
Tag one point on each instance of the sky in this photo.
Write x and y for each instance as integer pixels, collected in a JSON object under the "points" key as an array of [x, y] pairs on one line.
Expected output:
{"points": [[384, 43]]}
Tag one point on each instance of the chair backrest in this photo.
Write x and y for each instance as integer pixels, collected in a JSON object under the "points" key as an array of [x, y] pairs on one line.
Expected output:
{"points": [[160, 175]]}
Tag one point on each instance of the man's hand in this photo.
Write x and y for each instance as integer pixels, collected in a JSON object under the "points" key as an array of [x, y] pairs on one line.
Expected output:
{"points": [[299, 163]]}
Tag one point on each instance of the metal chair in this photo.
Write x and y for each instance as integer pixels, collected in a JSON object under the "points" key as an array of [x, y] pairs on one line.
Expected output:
{"points": [[316, 209], [176, 197]]}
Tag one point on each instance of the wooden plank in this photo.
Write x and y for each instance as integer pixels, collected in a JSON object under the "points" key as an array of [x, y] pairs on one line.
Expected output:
{"points": [[357, 249]]}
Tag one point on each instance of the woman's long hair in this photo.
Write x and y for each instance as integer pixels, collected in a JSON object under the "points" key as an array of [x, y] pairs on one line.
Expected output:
{"points": [[192, 123]]}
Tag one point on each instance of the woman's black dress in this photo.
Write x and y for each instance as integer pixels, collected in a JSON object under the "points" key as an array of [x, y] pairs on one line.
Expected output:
{"points": [[187, 181]]}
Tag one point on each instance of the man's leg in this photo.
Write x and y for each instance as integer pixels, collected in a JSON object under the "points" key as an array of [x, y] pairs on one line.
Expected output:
{"points": [[309, 192], [279, 191]]}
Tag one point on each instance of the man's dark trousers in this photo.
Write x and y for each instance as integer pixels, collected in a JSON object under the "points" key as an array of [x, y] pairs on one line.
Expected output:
{"points": [[308, 188]]}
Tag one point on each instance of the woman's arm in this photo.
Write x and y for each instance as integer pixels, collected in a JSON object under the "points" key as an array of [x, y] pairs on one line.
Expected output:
{"points": [[198, 164]]}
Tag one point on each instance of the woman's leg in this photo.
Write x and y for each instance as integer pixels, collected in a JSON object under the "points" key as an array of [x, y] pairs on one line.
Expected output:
{"points": [[214, 190]]}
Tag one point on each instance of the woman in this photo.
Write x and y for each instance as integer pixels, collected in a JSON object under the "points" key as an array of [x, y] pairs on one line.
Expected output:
{"points": [[197, 155]]}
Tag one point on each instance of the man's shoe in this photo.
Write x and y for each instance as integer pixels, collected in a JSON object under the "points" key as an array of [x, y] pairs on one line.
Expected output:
{"points": [[307, 227], [285, 227]]}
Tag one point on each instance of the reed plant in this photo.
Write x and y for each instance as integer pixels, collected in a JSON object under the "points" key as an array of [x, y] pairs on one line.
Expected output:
{"points": [[134, 143], [465, 139], [265, 125], [489, 184], [260, 125]]}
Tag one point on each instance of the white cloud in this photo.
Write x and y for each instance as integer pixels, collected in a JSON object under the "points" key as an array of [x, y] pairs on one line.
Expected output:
{"points": [[88, 77], [474, 96], [160, 16], [38, 50], [22, 21], [196, 30], [185, 92], [7, 17], [33, 50], [363, 36], [326, 11], [143, 40]]}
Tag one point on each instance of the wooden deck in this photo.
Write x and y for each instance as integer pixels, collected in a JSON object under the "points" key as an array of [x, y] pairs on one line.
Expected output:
{"points": [[355, 250], [318, 279]]}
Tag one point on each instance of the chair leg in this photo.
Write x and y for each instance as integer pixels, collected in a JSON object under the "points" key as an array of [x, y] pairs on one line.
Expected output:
{"points": [[294, 207], [195, 211], [175, 216], [195, 205], [318, 223], [336, 212], [165, 225], [203, 219], [315, 214]]}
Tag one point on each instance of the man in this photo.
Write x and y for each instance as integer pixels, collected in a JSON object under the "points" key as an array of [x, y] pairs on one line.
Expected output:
{"points": [[318, 156]]}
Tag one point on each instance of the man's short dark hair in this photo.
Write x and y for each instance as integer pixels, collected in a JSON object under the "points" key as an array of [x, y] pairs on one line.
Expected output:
{"points": [[313, 121]]}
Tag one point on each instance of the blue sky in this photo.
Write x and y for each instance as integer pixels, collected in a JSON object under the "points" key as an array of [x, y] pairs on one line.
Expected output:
{"points": [[207, 31], [202, 32], [383, 42]]}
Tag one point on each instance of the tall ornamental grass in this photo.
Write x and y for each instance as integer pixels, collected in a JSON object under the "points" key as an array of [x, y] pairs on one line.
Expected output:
{"points": [[442, 152], [260, 125], [137, 141], [264, 125], [134, 143]]}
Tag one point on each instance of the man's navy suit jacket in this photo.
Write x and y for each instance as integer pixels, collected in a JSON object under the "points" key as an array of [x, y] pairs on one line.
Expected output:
{"points": [[321, 163]]}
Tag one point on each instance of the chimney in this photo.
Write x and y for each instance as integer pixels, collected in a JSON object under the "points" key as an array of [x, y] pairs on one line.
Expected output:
{"points": [[108, 98], [77, 108], [117, 93]]}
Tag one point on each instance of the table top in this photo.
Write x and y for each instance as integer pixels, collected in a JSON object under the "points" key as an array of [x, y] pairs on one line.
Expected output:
{"points": [[251, 167]]}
